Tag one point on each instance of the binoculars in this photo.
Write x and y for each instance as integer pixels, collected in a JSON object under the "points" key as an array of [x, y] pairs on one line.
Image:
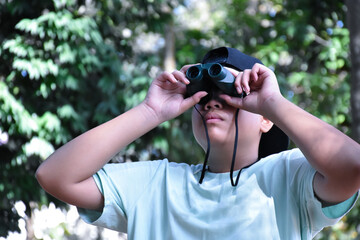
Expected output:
{"points": [[210, 77]]}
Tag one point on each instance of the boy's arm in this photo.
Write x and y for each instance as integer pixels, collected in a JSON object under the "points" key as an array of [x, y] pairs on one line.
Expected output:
{"points": [[67, 173], [335, 156]]}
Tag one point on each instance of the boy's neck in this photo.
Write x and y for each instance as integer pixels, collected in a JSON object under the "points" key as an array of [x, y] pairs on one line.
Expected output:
{"points": [[220, 161]]}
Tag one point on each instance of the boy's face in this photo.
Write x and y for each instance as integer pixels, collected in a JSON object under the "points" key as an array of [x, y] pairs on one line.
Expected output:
{"points": [[220, 121]]}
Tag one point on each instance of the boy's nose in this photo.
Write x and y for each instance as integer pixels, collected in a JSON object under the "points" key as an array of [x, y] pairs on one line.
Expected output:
{"points": [[214, 103]]}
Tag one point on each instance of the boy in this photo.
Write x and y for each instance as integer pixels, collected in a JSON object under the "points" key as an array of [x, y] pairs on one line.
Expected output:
{"points": [[287, 195]]}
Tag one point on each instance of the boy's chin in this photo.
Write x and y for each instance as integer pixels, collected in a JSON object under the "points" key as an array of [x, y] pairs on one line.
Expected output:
{"points": [[215, 142]]}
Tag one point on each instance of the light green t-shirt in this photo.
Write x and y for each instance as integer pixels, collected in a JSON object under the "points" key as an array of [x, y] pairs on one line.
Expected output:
{"points": [[274, 199]]}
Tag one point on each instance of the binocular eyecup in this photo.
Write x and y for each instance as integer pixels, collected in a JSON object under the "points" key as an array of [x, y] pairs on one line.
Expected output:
{"points": [[210, 77]]}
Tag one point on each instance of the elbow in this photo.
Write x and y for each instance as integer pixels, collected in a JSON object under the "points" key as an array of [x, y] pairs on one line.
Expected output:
{"points": [[353, 165], [45, 178], [41, 176], [356, 174], [351, 177]]}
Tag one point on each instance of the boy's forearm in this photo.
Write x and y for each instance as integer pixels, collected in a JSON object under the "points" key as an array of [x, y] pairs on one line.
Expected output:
{"points": [[330, 152], [83, 156]]}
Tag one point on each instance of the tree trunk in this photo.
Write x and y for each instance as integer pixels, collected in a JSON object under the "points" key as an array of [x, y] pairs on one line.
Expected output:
{"points": [[30, 221], [169, 54], [353, 20]]}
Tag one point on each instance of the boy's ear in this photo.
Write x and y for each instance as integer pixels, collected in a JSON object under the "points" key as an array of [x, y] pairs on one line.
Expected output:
{"points": [[266, 125]]}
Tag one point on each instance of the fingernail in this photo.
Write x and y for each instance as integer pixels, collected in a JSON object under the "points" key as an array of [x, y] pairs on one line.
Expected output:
{"points": [[239, 90]]}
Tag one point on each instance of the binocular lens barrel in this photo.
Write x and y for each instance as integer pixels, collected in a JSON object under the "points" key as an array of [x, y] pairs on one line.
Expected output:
{"points": [[205, 77], [215, 70], [193, 72]]}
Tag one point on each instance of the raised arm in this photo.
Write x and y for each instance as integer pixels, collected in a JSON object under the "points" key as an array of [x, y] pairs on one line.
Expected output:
{"points": [[67, 173], [335, 156]]}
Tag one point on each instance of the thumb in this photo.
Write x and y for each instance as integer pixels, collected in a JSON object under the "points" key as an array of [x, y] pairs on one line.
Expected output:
{"points": [[233, 101], [248, 103], [194, 99]]}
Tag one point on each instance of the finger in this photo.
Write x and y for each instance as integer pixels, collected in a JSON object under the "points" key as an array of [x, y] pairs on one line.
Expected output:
{"points": [[194, 99], [245, 81], [233, 71], [180, 76], [261, 71], [232, 101], [166, 76], [256, 72], [186, 67], [237, 83]]}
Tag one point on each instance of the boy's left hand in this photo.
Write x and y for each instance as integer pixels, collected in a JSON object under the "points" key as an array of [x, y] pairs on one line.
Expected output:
{"points": [[260, 85], [337, 164]]}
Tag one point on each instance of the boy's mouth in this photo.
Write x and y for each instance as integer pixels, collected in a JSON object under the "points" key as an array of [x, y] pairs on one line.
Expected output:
{"points": [[212, 117]]}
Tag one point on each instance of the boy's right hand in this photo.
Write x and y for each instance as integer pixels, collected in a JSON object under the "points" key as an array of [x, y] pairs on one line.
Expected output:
{"points": [[67, 174], [165, 97]]}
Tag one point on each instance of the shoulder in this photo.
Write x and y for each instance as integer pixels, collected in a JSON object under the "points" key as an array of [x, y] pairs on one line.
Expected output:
{"points": [[294, 153], [185, 167], [287, 168], [293, 158], [131, 166], [143, 169]]}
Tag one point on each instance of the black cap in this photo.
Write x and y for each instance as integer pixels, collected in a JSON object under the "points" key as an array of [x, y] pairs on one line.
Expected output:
{"points": [[275, 140]]}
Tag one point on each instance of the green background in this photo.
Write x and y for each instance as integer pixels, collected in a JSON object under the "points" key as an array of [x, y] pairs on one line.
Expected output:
{"points": [[67, 66]]}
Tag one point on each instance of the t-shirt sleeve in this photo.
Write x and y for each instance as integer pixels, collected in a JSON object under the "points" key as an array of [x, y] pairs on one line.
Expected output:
{"points": [[313, 215], [121, 185]]}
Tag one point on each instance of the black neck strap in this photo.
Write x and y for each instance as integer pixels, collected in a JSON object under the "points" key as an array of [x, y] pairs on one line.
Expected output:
{"points": [[208, 150]]}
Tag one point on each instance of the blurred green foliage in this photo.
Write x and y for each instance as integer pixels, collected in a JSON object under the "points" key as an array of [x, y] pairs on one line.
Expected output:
{"points": [[69, 65]]}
